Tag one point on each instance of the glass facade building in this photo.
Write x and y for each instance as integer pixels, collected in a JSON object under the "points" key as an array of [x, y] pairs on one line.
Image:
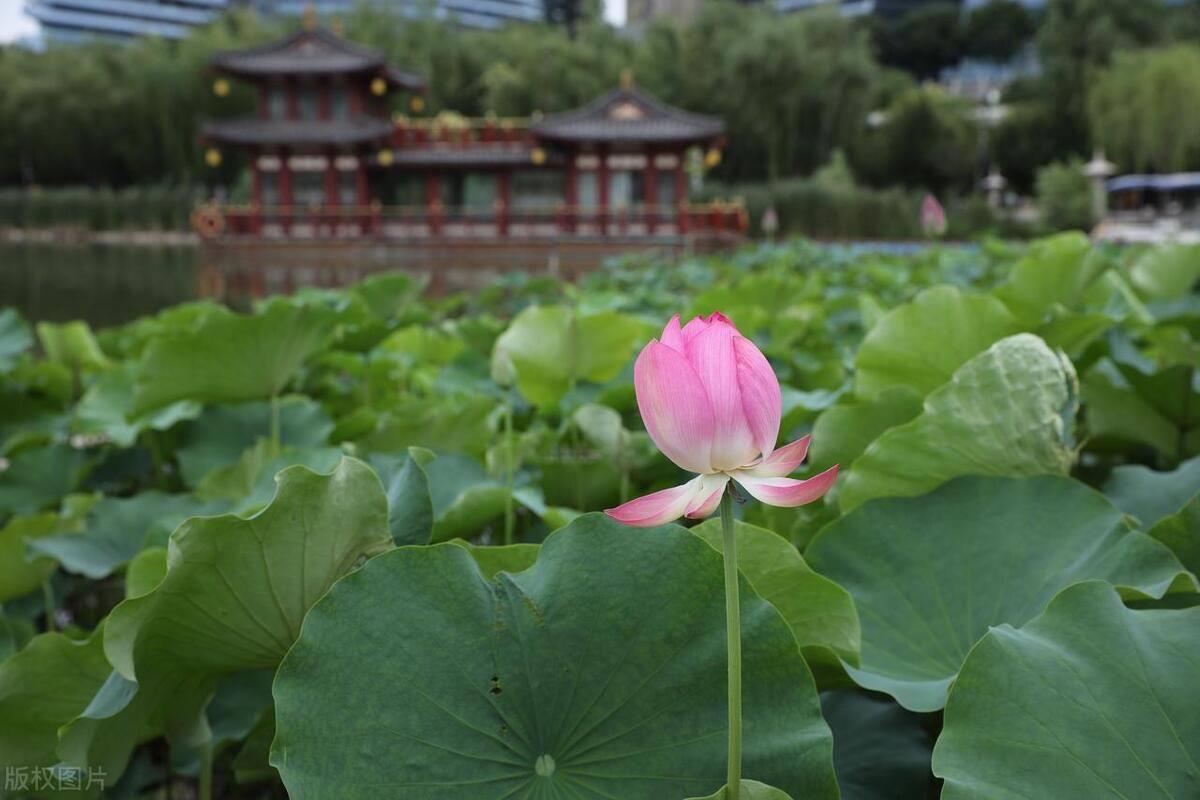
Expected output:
{"points": [[76, 20]]}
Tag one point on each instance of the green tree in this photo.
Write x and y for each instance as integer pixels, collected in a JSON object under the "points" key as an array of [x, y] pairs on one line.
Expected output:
{"points": [[924, 40], [998, 30], [1145, 109], [1064, 195]]}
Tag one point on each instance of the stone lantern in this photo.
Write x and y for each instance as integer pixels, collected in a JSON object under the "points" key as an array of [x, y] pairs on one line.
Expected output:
{"points": [[1098, 171]]}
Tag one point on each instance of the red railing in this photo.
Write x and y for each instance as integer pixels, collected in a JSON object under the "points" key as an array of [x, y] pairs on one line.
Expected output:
{"points": [[407, 222], [461, 132]]}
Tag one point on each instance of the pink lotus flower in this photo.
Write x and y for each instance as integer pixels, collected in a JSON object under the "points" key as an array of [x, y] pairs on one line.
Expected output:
{"points": [[711, 403]]}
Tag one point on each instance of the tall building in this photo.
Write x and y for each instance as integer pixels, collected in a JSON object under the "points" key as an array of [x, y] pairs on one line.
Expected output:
{"points": [[77, 20]]}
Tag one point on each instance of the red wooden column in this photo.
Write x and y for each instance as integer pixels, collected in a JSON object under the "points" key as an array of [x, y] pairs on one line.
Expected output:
{"points": [[572, 190], [681, 191], [331, 179], [650, 197], [285, 189], [503, 199], [602, 188]]}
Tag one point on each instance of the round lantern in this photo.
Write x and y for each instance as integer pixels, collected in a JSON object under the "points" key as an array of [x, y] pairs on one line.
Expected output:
{"points": [[417, 104], [221, 87], [378, 87], [538, 156], [712, 158], [385, 158], [212, 157]]}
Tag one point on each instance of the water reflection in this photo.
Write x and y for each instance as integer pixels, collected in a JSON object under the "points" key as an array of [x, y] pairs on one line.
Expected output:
{"points": [[103, 284]]}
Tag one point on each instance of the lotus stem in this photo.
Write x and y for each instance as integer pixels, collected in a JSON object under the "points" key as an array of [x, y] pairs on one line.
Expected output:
{"points": [[510, 521], [733, 633]]}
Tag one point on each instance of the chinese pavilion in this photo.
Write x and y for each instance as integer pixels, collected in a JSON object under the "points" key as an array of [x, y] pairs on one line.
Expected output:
{"points": [[331, 160]]}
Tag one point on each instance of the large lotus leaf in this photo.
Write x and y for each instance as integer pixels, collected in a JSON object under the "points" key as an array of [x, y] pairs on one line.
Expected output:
{"points": [[1167, 504], [599, 672], [1134, 404], [228, 357], [465, 499], [236, 590], [929, 575], [14, 337], [249, 483], [42, 687], [880, 750], [14, 634], [922, 343], [107, 408], [452, 424], [71, 343], [1090, 701], [1008, 411], [410, 506], [548, 348], [843, 431], [1057, 270], [820, 613], [39, 478], [1166, 272], [22, 572], [118, 528], [223, 432], [501, 558]]}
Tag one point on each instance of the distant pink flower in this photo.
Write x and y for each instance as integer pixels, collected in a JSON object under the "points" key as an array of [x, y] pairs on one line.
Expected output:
{"points": [[711, 403]]}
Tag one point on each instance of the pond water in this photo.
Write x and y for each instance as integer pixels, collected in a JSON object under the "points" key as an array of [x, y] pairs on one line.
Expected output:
{"points": [[103, 284]]}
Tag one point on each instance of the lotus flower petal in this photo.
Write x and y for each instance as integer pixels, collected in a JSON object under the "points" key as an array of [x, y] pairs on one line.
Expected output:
{"points": [[782, 462], [786, 492], [762, 401], [674, 406], [708, 497], [713, 354], [660, 507], [672, 335]]}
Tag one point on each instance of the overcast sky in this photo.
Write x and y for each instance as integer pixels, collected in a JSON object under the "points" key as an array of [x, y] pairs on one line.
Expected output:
{"points": [[15, 23]]}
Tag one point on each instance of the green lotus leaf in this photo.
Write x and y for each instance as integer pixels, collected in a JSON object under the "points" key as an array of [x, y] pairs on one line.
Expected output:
{"points": [[820, 613], [880, 751], [465, 499], [410, 506], [21, 571], [72, 344], [223, 432], [1089, 701], [106, 408], [549, 348], [1008, 411], [1167, 504], [1057, 270], [117, 529], [1167, 272], [37, 479], [929, 575], [227, 357], [597, 672], [14, 338], [453, 424], [494, 559], [922, 343], [1135, 404], [42, 687], [236, 590], [842, 432]]}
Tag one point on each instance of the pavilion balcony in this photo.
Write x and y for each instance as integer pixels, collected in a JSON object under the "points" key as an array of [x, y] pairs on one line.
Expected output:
{"points": [[409, 223]]}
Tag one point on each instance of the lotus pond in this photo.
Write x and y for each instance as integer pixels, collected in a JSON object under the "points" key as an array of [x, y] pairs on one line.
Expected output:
{"points": [[350, 545]]}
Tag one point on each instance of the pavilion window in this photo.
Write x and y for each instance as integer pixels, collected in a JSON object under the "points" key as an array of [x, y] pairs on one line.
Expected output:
{"points": [[587, 190], [537, 189], [347, 188], [666, 190], [339, 102], [473, 191], [408, 190], [269, 187], [626, 188], [308, 188], [308, 102], [276, 102]]}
